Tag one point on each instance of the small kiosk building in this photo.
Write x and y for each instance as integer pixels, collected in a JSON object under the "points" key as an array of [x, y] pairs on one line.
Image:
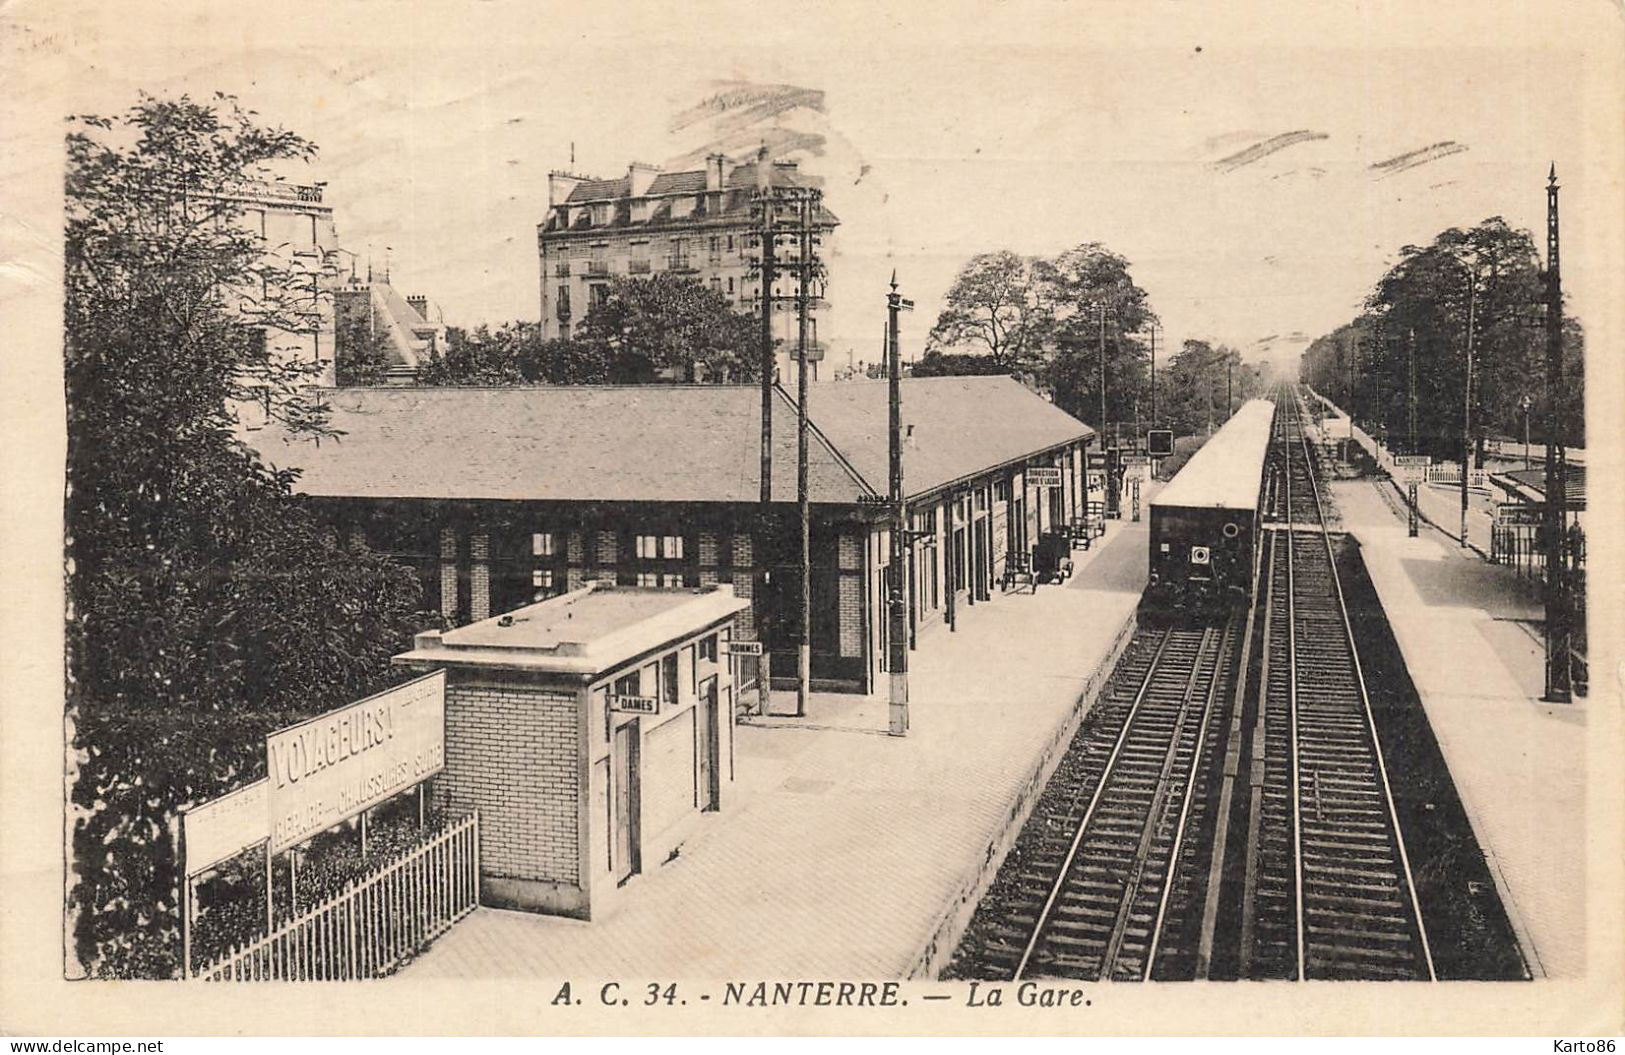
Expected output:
{"points": [[591, 731]]}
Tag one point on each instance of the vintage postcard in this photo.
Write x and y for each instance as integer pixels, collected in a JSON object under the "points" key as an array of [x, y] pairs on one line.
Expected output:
{"points": [[911, 518]]}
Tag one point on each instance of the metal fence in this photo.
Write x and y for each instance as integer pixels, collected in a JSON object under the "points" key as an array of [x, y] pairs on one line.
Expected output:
{"points": [[374, 923]]}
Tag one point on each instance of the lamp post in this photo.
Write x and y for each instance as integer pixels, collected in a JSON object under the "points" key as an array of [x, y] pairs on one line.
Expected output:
{"points": [[896, 614], [1467, 391]]}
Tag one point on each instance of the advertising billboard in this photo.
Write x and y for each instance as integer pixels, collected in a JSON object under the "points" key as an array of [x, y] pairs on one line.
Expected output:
{"points": [[328, 769]]}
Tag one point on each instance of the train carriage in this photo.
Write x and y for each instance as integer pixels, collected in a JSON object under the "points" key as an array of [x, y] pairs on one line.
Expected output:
{"points": [[1204, 524]]}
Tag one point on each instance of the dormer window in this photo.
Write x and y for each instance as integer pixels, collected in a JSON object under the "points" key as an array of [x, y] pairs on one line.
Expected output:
{"points": [[600, 214], [682, 207], [640, 210]]}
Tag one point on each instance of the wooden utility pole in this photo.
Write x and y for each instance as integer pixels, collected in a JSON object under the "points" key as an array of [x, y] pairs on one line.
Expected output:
{"points": [[896, 605], [1558, 613]]}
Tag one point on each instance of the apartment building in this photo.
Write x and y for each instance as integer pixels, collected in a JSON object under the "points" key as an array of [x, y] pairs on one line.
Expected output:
{"points": [[697, 224]]}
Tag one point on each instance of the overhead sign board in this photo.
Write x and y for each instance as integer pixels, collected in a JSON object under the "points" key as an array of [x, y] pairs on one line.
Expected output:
{"points": [[1159, 443], [1518, 514], [1136, 459], [1043, 476], [1097, 459], [222, 828], [742, 648], [328, 769], [634, 704]]}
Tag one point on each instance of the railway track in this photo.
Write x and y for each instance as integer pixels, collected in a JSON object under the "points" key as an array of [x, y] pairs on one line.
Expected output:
{"points": [[1328, 891], [1109, 892]]}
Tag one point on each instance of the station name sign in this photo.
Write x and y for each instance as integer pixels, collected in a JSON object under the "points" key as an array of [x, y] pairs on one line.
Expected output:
{"points": [[328, 769], [1042, 476]]}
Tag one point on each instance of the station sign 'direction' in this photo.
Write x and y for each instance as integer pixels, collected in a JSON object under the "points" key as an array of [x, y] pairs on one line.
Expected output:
{"points": [[1043, 476], [328, 769]]}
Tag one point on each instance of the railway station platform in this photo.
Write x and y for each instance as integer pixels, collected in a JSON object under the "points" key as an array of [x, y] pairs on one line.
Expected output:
{"points": [[1470, 634], [850, 853]]}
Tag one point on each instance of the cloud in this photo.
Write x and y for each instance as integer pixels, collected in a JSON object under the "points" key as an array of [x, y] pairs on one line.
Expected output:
{"points": [[1264, 148], [1411, 159]]}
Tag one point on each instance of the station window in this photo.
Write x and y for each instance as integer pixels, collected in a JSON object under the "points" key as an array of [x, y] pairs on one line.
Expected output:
{"points": [[541, 583], [541, 544], [668, 678], [660, 547], [708, 649], [1001, 490], [670, 580]]}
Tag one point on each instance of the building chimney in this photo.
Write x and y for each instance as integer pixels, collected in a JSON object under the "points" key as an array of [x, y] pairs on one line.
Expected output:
{"points": [[763, 173], [559, 186], [420, 304], [638, 178], [713, 171]]}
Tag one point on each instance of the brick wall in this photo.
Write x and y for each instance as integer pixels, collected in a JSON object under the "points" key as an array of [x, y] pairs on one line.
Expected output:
{"points": [[512, 752], [851, 615], [448, 572], [479, 576], [606, 548]]}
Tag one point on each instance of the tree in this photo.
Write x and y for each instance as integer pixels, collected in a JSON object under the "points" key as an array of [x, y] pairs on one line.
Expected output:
{"points": [[935, 363], [361, 353], [482, 357], [996, 303], [1410, 343], [1091, 297], [1202, 383], [667, 322], [206, 605]]}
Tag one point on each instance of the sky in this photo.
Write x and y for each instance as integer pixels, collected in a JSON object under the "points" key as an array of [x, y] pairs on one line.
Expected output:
{"points": [[1238, 164]]}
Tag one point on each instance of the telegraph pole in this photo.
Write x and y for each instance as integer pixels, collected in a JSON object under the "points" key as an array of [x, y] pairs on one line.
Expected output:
{"points": [[1558, 687], [1153, 375], [764, 538], [1102, 309], [1410, 385], [804, 510], [896, 605], [1467, 400]]}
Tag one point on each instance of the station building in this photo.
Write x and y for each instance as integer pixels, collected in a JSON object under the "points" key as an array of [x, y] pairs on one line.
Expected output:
{"points": [[502, 497], [590, 731]]}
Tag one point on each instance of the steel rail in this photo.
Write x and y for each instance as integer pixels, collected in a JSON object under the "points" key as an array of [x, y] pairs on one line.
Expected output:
{"points": [[1159, 799], [1222, 647], [1089, 811], [1371, 724]]}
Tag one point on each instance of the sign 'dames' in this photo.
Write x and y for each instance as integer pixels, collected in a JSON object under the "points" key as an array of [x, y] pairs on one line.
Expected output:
{"points": [[331, 767]]}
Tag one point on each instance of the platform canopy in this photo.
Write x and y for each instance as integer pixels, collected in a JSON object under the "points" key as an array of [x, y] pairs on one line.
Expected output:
{"points": [[661, 443]]}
